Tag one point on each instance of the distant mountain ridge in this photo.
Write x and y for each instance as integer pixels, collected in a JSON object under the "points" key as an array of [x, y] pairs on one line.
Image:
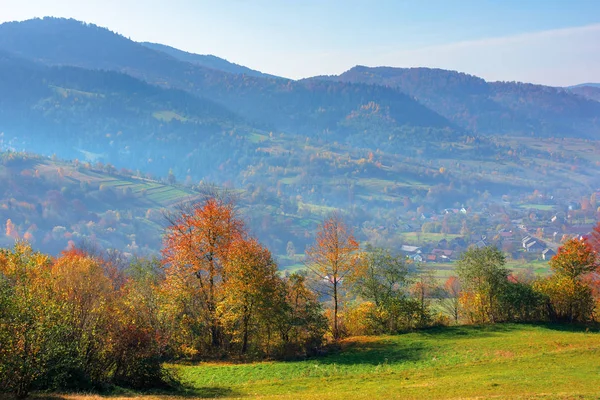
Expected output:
{"points": [[361, 100], [587, 91], [279, 104], [585, 84], [206, 60], [125, 121], [488, 107]]}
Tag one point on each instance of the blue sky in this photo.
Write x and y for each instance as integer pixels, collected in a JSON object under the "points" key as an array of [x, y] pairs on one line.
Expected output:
{"points": [[542, 41]]}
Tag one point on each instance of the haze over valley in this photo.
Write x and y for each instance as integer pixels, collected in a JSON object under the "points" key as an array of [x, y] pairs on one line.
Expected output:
{"points": [[177, 218]]}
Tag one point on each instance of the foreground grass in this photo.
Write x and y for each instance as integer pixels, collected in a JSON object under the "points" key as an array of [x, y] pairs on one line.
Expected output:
{"points": [[504, 361]]}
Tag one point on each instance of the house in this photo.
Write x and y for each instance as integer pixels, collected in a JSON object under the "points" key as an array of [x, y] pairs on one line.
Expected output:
{"points": [[457, 242], [442, 252], [417, 258], [443, 255], [533, 245], [431, 258], [580, 230], [410, 249], [481, 243], [547, 254]]}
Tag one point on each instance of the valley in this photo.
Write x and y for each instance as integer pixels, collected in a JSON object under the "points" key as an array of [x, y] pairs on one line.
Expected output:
{"points": [[176, 225]]}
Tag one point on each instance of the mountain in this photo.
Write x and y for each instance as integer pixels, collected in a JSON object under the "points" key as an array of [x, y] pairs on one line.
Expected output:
{"points": [[488, 107], [205, 60], [109, 116], [585, 84], [588, 91], [307, 107]]}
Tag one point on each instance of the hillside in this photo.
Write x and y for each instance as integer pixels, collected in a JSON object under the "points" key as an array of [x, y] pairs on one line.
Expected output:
{"points": [[519, 361], [300, 150], [205, 60], [55, 204], [100, 115], [301, 107], [488, 108], [588, 91]]}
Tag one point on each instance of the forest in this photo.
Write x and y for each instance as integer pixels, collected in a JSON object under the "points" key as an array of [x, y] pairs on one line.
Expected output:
{"points": [[88, 320]]}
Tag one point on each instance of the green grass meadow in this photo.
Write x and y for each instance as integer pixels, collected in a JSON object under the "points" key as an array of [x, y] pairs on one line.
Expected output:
{"points": [[504, 361]]}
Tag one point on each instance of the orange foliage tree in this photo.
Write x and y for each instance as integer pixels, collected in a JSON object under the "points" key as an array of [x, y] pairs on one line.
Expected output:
{"points": [[195, 254], [332, 258], [568, 290]]}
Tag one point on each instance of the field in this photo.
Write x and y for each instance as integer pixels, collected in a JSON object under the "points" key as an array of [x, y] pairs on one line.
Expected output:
{"points": [[503, 361], [158, 194]]}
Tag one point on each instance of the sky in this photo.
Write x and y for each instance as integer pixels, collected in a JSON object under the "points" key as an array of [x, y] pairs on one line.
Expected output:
{"points": [[553, 42]]}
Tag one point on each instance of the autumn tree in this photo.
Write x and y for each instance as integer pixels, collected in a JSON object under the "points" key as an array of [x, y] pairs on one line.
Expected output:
{"points": [[594, 240], [383, 280], [249, 291], [569, 293], [138, 328], [196, 250], [450, 297], [483, 275], [574, 258], [299, 320], [333, 258], [30, 336], [422, 290]]}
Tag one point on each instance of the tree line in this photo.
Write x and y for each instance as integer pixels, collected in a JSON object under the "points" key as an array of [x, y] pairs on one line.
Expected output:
{"points": [[85, 320]]}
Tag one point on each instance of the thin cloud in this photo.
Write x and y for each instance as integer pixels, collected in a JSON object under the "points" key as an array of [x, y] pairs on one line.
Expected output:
{"points": [[554, 57]]}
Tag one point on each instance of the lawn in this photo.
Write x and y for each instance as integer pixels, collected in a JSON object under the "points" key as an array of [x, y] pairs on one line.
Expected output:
{"points": [[540, 207], [503, 361]]}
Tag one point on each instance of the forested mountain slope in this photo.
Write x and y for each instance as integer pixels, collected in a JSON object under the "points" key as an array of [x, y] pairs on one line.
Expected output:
{"points": [[303, 107], [489, 107]]}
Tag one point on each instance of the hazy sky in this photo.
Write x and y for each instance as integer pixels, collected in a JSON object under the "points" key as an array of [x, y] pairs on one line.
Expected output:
{"points": [[555, 42]]}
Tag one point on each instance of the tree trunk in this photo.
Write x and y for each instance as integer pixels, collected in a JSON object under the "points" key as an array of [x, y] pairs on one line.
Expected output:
{"points": [[245, 339], [335, 310]]}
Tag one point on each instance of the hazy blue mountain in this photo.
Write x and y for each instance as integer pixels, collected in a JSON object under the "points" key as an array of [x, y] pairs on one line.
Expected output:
{"points": [[491, 108], [307, 107], [587, 91], [585, 84], [205, 60], [111, 117]]}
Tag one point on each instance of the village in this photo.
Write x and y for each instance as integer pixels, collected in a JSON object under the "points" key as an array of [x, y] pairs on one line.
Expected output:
{"points": [[521, 230]]}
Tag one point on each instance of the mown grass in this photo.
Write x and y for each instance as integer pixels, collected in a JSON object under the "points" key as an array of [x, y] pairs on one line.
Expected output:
{"points": [[502, 361], [503, 355], [540, 207]]}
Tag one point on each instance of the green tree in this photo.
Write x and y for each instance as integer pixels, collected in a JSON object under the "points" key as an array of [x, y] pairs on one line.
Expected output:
{"points": [[383, 277], [483, 276]]}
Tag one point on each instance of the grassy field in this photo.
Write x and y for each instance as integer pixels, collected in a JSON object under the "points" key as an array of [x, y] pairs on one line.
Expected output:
{"points": [[503, 361]]}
